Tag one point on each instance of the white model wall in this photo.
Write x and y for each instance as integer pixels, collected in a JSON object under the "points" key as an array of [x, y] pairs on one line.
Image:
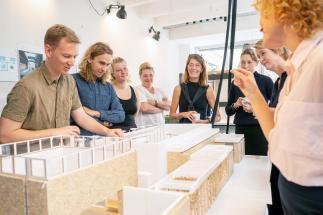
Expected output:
{"points": [[24, 23]]}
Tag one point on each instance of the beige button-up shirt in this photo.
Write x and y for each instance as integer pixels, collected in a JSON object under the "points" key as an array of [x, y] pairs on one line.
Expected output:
{"points": [[39, 102], [296, 141]]}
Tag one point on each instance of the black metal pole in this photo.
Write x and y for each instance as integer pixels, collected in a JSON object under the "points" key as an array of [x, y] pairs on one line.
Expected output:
{"points": [[232, 41], [215, 107]]}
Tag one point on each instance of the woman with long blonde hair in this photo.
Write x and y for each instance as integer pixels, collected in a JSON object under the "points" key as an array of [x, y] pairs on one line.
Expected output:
{"points": [[128, 96]]}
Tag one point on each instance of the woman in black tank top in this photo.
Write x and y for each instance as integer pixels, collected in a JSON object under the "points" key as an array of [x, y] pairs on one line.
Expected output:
{"points": [[127, 95], [194, 96]]}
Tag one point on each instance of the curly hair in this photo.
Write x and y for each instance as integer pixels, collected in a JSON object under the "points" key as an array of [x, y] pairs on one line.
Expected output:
{"points": [[94, 50], [306, 16], [282, 51]]}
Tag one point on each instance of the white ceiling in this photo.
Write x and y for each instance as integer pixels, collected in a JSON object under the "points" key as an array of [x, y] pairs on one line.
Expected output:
{"points": [[176, 17]]}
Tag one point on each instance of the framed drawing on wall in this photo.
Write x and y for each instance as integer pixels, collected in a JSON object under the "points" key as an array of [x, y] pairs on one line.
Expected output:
{"points": [[28, 61]]}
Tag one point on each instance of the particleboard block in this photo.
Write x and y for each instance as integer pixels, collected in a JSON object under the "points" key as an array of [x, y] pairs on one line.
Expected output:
{"points": [[203, 197], [76, 191], [176, 159], [237, 143], [12, 196]]}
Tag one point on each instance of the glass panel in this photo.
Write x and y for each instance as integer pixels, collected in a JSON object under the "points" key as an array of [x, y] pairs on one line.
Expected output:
{"points": [[45, 143], [34, 145], [22, 148], [56, 141], [66, 141], [7, 149]]}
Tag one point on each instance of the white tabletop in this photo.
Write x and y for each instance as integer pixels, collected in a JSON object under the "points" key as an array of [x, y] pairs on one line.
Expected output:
{"points": [[248, 190]]}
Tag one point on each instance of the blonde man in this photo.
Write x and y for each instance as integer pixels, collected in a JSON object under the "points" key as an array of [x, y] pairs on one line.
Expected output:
{"points": [[42, 103]]}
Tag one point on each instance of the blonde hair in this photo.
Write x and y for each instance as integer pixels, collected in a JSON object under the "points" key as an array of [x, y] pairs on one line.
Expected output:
{"points": [[94, 50], [57, 32], [251, 53], [145, 66], [114, 62], [305, 16], [282, 51], [203, 76]]}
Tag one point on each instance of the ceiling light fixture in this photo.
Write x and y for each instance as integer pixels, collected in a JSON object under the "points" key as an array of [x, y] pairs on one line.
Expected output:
{"points": [[156, 34], [121, 14]]}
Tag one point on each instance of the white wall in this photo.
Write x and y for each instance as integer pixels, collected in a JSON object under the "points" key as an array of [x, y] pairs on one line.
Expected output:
{"points": [[24, 23]]}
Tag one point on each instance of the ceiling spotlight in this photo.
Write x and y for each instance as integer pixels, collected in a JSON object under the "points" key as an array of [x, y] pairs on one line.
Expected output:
{"points": [[121, 14], [156, 34]]}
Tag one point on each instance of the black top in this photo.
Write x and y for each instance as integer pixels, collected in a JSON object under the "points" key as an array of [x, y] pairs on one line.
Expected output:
{"points": [[200, 105], [278, 86], [130, 108], [265, 85]]}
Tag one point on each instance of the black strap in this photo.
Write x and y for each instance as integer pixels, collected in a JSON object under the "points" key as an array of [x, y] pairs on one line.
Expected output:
{"points": [[198, 94]]}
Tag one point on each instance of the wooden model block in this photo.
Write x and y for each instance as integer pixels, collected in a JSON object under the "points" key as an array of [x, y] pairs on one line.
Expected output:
{"points": [[237, 142], [176, 159], [12, 197], [71, 193]]}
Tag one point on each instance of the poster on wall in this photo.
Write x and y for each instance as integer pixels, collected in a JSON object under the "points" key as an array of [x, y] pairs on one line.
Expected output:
{"points": [[28, 61], [8, 65]]}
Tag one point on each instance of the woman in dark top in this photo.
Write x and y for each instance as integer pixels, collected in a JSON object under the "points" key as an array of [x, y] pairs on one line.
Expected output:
{"points": [[274, 60], [246, 123], [128, 96], [193, 95]]}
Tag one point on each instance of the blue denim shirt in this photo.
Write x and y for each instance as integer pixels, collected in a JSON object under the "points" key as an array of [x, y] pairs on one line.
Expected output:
{"points": [[100, 97]]}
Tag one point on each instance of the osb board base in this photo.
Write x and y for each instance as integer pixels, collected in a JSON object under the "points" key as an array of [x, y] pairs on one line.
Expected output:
{"points": [[12, 196], [94, 210], [74, 192], [238, 150], [202, 199], [176, 159]]}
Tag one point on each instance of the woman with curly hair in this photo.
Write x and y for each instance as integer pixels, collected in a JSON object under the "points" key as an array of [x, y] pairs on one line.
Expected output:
{"points": [[295, 130], [274, 60]]}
